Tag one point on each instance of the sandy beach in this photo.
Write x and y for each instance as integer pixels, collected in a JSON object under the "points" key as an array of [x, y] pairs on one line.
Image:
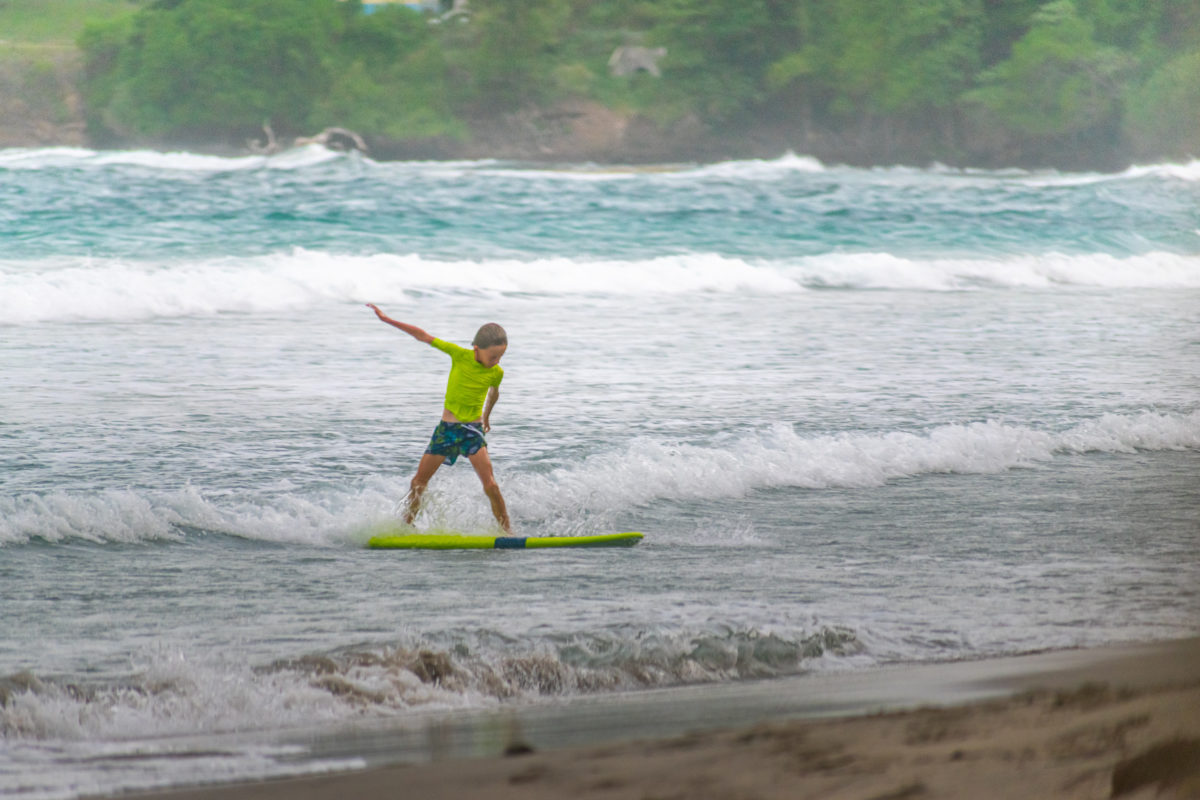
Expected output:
{"points": [[1111, 722]]}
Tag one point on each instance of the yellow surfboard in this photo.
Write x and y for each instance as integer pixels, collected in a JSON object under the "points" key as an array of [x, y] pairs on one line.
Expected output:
{"points": [[454, 541]]}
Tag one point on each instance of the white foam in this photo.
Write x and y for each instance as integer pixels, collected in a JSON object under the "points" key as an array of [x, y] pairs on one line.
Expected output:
{"points": [[120, 290], [64, 771], [123, 290], [743, 170], [1189, 171], [175, 693], [1156, 270], [112, 515], [166, 162], [1184, 172], [748, 169], [187, 714], [643, 471], [132, 516], [758, 169], [648, 470], [44, 157]]}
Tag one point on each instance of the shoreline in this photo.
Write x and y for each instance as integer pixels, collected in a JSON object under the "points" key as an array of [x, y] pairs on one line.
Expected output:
{"points": [[631, 163], [603, 166], [1073, 723]]}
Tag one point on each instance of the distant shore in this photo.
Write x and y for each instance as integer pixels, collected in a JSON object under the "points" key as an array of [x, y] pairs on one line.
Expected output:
{"points": [[44, 108], [1111, 722]]}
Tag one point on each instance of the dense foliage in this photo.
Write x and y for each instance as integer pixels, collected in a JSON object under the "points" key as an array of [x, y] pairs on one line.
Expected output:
{"points": [[1041, 73]]}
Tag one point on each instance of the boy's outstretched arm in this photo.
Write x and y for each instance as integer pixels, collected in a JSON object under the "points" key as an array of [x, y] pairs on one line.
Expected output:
{"points": [[411, 330]]}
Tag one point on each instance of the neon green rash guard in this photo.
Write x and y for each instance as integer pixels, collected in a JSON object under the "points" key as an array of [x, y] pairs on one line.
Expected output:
{"points": [[469, 381]]}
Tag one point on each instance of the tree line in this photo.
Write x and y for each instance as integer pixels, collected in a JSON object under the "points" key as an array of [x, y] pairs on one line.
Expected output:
{"points": [[1026, 75]]}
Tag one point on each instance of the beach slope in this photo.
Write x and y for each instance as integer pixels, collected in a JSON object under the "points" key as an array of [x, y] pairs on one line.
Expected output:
{"points": [[1113, 722]]}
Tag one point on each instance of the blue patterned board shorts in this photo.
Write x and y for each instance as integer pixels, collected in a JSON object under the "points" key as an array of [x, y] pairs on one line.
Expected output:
{"points": [[454, 439]]}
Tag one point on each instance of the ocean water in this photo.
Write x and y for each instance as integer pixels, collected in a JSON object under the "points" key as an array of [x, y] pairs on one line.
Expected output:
{"points": [[863, 417]]}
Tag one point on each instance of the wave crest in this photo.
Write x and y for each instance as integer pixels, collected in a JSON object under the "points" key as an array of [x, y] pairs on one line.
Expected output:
{"points": [[177, 695], [52, 158], [649, 470], [121, 290], [643, 471], [48, 158]]}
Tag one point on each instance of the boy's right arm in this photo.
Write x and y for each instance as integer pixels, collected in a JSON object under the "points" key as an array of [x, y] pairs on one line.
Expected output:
{"points": [[411, 330]]}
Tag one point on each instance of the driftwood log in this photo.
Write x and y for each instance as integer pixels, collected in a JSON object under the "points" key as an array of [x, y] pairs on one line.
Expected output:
{"points": [[334, 138]]}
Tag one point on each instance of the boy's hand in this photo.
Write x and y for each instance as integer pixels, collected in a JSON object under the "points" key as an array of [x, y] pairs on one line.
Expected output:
{"points": [[492, 396], [411, 330]]}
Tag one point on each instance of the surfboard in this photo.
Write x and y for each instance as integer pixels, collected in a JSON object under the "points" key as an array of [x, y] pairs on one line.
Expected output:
{"points": [[454, 541]]}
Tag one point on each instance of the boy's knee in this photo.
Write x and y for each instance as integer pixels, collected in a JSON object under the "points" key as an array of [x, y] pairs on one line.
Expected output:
{"points": [[486, 477]]}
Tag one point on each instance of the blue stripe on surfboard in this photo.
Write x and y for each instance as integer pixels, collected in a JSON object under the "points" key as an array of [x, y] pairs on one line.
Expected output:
{"points": [[510, 542]]}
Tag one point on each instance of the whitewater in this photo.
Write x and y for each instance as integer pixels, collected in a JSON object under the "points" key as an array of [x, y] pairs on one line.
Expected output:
{"points": [[864, 418]]}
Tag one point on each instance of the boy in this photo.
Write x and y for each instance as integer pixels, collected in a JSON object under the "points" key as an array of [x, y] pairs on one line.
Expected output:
{"points": [[471, 391]]}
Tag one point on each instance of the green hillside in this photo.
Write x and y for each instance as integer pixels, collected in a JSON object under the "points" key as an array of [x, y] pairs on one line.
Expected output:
{"points": [[56, 22], [985, 82]]}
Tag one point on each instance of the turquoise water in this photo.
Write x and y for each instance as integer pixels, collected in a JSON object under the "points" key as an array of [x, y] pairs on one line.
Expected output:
{"points": [[863, 417]]}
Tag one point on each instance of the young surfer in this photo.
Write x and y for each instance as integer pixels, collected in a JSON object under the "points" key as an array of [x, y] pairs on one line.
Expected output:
{"points": [[471, 391]]}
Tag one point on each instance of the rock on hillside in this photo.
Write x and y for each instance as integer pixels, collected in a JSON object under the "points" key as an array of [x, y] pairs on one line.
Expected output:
{"points": [[40, 104]]}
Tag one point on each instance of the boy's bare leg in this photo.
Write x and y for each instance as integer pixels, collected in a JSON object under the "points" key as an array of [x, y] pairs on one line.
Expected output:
{"points": [[429, 465], [483, 468]]}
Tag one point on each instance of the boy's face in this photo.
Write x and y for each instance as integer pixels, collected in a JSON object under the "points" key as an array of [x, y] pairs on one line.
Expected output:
{"points": [[490, 356]]}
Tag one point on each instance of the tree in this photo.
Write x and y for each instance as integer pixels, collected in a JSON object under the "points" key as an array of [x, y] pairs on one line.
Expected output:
{"points": [[219, 68], [1005, 21], [1177, 26], [514, 50], [389, 78], [1031, 76], [877, 57], [102, 45], [1059, 81], [718, 51], [1162, 115]]}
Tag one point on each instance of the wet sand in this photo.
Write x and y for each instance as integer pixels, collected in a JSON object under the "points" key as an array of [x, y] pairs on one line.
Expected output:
{"points": [[1111, 722]]}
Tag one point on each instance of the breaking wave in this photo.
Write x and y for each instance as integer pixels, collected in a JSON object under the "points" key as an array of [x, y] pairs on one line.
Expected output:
{"points": [[177, 694], [779, 458], [58, 158], [121, 290], [643, 471]]}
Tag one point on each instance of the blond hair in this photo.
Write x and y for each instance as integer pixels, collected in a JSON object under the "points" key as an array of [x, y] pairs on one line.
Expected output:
{"points": [[490, 335]]}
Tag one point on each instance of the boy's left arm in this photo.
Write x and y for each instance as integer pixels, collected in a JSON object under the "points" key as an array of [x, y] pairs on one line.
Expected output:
{"points": [[492, 396]]}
